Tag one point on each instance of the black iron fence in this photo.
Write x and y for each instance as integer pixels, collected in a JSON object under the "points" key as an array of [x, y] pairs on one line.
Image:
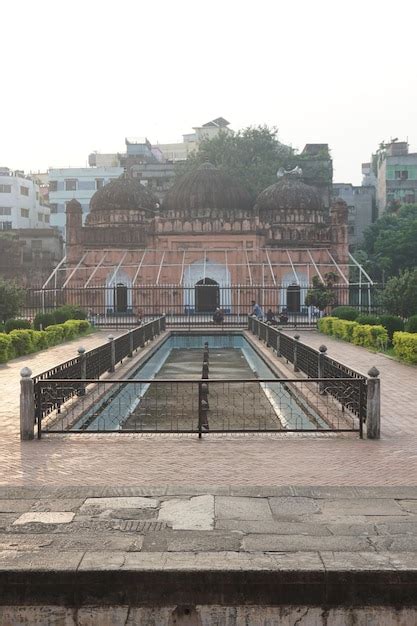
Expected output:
{"points": [[185, 306], [316, 364], [90, 365], [198, 406]]}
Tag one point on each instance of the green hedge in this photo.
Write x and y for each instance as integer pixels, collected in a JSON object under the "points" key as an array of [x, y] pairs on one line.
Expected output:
{"points": [[359, 334], [21, 342], [345, 313], [12, 324], [405, 346], [59, 316]]}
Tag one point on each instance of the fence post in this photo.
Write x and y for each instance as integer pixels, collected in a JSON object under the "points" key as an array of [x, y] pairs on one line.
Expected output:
{"points": [[130, 353], [112, 353], [27, 405], [296, 340], [373, 405], [83, 369], [320, 368], [278, 342]]}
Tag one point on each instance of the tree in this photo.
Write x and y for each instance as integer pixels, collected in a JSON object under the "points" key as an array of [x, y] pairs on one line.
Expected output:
{"points": [[252, 156], [400, 294], [391, 242], [12, 298], [322, 295]]}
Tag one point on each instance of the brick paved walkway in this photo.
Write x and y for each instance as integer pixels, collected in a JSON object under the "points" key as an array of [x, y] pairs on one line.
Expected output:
{"points": [[239, 460]]}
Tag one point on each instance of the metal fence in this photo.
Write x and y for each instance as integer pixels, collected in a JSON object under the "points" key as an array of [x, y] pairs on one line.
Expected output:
{"points": [[316, 364], [91, 365], [176, 406], [189, 306]]}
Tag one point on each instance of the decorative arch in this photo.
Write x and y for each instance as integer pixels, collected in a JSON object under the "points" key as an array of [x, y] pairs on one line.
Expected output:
{"points": [[118, 293], [293, 292], [200, 273]]}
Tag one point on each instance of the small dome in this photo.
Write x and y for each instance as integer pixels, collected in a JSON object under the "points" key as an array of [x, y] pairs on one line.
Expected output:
{"points": [[207, 187], [290, 194], [73, 206], [124, 193]]}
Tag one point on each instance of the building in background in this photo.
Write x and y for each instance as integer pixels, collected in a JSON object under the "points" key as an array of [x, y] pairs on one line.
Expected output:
{"points": [[80, 183], [361, 208], [396, 176], [21, 202]]}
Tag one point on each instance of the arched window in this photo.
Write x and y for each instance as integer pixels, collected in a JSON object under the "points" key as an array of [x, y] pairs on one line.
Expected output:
{"points": [[293, 298], [207, 296], [120, 298]]}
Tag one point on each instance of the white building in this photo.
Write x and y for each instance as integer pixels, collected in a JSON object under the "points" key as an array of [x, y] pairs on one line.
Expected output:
{"points": [[80, 183], [21, 204]]}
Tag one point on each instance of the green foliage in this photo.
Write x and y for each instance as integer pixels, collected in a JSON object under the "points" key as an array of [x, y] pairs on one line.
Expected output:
{"points": [[390, 244], [392, 323], [6, 348], [252, 156], [405, 346], [367, 318], [59, 316], [411, 325], [360, 334], [321, 295], [12, 324], [400, 294], [11, 299], [21, 342], [345, 313]]}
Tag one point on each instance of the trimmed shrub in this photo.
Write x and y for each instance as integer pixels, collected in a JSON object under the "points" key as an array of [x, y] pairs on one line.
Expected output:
{"points": [[345, 313], [16, 325], [22, 341], [411, 325], [6, 348], [368, 319], [325, 325], [43, 320], [392, 323], [369, 336], [405, 346], [56, 334]]}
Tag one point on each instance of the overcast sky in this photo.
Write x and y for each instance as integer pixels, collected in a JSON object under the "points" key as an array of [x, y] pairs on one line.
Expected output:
{"points": [[81, 75]]}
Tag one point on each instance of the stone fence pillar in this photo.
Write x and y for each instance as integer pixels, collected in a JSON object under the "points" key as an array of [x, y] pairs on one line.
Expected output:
{"points": [[373, 405], [296, 340], [27, 405], [83, 364], [320, 369], [112, 353]]}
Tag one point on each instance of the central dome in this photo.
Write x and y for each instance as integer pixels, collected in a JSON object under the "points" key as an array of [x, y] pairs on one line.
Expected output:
{"points": [[289, 194], [124, 193], [207, 187]]}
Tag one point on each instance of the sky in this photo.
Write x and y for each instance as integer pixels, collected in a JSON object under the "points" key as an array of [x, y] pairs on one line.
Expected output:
{"points": [[81, 75]]}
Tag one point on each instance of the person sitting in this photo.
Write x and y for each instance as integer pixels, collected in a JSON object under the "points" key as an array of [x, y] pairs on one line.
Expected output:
{"points": [[218, 316], [270, 317], [256, 310], [283, 318]]}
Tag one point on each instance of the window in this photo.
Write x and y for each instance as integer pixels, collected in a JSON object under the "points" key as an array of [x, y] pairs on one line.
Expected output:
{"points": [[71, 184], [40, 217], [47, 219], [401, 174], [99, 183], [24, 190], [53, 185], [5, 210], [5, 189], [36, 244], [5, 226], [53, 207], [24, 212]]}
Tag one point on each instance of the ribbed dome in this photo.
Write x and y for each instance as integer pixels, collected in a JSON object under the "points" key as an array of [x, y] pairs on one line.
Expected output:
{"points": [[207, 187], [124, 193], [289, 194]]}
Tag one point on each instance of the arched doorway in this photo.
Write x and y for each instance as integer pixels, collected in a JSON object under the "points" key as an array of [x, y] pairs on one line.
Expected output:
{"points": [[293, 298], [207, 296], [120, 298]]}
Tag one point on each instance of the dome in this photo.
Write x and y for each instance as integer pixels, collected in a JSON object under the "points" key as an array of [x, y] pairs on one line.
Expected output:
{"points": [[123, 193], [289, 194], [207, 187]]}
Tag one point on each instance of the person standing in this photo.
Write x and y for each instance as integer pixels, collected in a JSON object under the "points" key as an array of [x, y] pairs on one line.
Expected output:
{"points": [[256, 309]]}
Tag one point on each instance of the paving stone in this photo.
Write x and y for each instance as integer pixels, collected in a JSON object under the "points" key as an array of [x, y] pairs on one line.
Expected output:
{"points": [[292, 507], [197, 513], [16, 506], [139, 526], [353, 530], [92, 541], [408, 505], [60, 504], [272, 527], [23, 542], [52, 561], [110, 560], [241, 508], [6, 519], [124, 502], [351, 560], [302, 543], [365, 506], [397, 528], [44, 518], [185, 541], [398, 543]]}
